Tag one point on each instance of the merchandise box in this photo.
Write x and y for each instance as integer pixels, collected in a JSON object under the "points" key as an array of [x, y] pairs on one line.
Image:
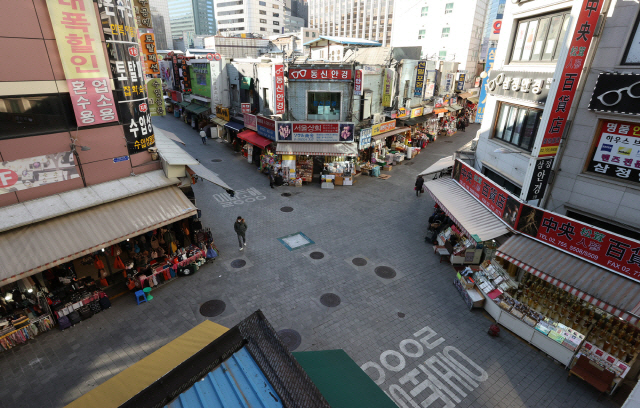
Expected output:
{"points": [[387, 167]]}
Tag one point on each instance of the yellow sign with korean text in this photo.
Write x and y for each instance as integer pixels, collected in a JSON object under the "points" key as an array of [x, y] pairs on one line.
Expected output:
{"points": [[415, 112], [387, 85], [383, 127]]}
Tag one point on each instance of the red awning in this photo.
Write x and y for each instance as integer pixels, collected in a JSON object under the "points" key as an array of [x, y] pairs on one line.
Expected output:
{"points": [[254, 138]]}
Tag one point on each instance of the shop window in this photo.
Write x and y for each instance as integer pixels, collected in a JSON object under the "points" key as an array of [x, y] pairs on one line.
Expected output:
{"points": [[35, 115], [323, 106], [445, 32], [502, 181], [540, 39], [422, 34], [517, 125], [448, 8], [442, 55], [424, 12]]}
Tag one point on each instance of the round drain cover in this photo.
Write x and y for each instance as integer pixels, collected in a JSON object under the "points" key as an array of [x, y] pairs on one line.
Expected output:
{"points": [[359, 261], [290, 338], [316, 255], [385, 272], [330, 300], [286, 194], [286, 209], [238, 263], [212, 308], [216, 160], [400, 315]]}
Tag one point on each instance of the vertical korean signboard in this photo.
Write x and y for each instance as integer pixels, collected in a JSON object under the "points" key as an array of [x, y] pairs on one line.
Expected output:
{"points": [[143, 14], [156, 100], [148, 45], [121, 36], [482, 101], [357, 85], [79, 44], [278, 75], [387, 85], [420, 74]]}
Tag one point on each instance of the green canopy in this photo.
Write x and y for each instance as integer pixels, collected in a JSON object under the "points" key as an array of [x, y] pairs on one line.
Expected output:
{"points": [[342, 383], [183, 104], [197, 109], [246, 83]]}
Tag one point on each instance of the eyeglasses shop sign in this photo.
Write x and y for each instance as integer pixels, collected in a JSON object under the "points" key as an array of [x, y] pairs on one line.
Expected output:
{"points": [[530, 86]]}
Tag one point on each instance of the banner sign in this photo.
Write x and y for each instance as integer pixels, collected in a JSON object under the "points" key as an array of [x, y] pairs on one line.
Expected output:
{"points": [[610, 251], [156, 99], [540, 179], [529, 86], [415, 112], [176, 72], [246, 107], [266, 127], [123, 49], [448, 85], [616, 93], [357, 84], [460, 82], [566, 88], [143, 14], [315, 132], [297, 74], [148, 44], [617, 153], [420, 76], [482, 99], [223, 113], [387, 84], [279, 89], [383, 127], [185, 78], [250, 121], [37, 171], [78, 40], [166, 73], [365, 139]]}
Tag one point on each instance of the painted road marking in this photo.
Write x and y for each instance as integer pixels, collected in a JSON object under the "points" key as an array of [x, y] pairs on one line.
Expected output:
{"points": [[249, 195]]}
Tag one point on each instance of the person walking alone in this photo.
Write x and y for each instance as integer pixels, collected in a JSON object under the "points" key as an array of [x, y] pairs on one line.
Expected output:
{"points": [[271, 177], [462, 125], [240, 227], [419, 184]]}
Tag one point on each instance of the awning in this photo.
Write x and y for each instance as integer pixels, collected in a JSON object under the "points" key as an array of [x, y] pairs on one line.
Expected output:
{"points": [[607, 290], [208, 175], [318, 149], [465, 95], [197, 109], [217, 120], [31, 249], [254, 138], [440, 165], [456, 107], [234, 126], [183, 104], [390, 133], [419, 119], [473, 99], [465, 210], [440, 110]]}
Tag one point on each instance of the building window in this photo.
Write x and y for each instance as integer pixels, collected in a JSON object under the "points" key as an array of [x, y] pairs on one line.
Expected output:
{"points": [[425, 11], [540, 38], [632, 53], [263, 12], [306, 34], [445, 32], [518, 125], [502, 181], [276, 14], [35, 115], [422, 34], [323, 106], [227, 13], [276, 23], [442, 55], [275, 6], [230, 3], [275, 30], [262, 3], [448, 8], [263, 29], [263, 21], [232, 21], [313, 34]]}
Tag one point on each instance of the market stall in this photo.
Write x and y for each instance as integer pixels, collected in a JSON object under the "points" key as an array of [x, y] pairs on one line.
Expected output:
{"points": [[255, 145], [316, 158]]}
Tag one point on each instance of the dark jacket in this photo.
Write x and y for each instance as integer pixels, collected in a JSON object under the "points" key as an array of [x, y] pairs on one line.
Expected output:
{"points": [[419, 182], [240, 227]]}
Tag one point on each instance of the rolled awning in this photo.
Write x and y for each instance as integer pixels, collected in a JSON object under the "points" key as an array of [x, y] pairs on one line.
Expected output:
{"points": [[390, 133], [36, 247], [197, 109], [467, 212], [607, 290], [208, 175], [318, 149], [217, 121], [440, 165], [183, 104], [234, 126], [254, 138]]}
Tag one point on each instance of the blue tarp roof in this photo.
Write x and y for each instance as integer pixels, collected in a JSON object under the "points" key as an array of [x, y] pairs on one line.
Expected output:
{"points": [[237, 382], [346, 40], [234, 126]]}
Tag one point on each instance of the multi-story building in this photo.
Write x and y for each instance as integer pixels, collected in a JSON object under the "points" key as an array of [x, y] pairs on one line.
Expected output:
{"points": [[370, 20], [190, 18], [264, 17], [300, 8], [447, 31], [495, 9], [161, 24]]}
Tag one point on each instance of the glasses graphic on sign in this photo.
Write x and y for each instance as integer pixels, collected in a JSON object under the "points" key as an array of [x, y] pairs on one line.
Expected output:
{"points": [[619, 93]]}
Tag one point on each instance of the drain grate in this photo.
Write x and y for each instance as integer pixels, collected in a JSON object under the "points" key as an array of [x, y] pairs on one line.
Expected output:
{"points": [[316, 255], [359, 261], [330, 300], [385, 272], [286, 209], [286, 194], [216, 160], [238, 263], [290, 338], [212, 308]]}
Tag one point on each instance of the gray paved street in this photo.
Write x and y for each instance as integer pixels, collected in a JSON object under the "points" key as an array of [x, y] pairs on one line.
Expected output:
{"points": [[379, 322]]}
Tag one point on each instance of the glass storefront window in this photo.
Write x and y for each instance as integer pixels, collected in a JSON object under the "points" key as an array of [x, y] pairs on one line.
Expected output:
{"points": [[24, 115], [517, 125], [323, 106]]}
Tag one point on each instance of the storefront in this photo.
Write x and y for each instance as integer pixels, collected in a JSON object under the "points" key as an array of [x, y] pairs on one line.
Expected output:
{"points": [[232, 129], [219, 127], [255, 146], [199, 113], [309, 160]]}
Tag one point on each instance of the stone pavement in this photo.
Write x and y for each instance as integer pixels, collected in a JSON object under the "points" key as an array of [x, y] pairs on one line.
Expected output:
{"points": [[400, 330]]}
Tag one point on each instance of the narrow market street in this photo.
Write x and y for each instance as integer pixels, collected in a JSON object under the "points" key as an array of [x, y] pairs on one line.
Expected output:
{"points": [[379, 316]]}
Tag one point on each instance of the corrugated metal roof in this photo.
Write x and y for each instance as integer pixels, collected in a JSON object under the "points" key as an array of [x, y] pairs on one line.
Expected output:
{"points": [[318, 149], [440, 165], [369, 56], [237, 382], [607, 286], [465, 210], [171, 152], [36, 247], [345, 40]]}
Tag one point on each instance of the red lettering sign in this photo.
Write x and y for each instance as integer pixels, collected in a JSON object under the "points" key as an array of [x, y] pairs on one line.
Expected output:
{"points": [[8, 178], [301, 127], [357, 84], [320, 74], [279, 89]]}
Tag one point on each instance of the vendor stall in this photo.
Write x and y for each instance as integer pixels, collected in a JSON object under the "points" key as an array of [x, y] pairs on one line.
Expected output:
{"points": [[255, 145], [311, 158]]}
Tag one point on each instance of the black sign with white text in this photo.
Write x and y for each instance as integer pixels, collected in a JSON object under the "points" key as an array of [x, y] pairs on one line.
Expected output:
{"points": [[540, 179], [616, 93]]}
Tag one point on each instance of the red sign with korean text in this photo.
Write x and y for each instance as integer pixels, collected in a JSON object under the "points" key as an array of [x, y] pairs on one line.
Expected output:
{"points": [[617, 153], [320, 74], [580, 42], [279, 93], [246, 107], [357, 84], [489, 194], [301, 127], [92, 101]]}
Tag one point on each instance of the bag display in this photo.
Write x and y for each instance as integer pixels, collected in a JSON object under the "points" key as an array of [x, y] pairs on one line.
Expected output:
{"points": [[131, 284], [104, 283], [98, 264], [118, 264], [74, 317], [64, 323], [174, 247]]}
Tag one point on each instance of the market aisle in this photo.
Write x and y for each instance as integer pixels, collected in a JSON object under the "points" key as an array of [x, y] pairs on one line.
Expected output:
{"points": [[381, 222]]}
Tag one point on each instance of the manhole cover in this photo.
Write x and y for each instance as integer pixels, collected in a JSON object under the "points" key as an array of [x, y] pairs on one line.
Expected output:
{"points": [[286, 209], [216, 160], [385, 272], [359, 261], [238, 263], [330, 300], [212, 308], [400, 314], [286, 194], [290, 338], [316, 255]]}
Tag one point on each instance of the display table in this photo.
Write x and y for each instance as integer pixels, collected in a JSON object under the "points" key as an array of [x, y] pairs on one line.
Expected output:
{"points": [[517, 326], [552, 348], [590, 372]]}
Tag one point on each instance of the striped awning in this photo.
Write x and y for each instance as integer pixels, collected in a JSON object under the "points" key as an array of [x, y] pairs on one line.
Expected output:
{"points": [[609, 291], [318, 149], [467, 212]]}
